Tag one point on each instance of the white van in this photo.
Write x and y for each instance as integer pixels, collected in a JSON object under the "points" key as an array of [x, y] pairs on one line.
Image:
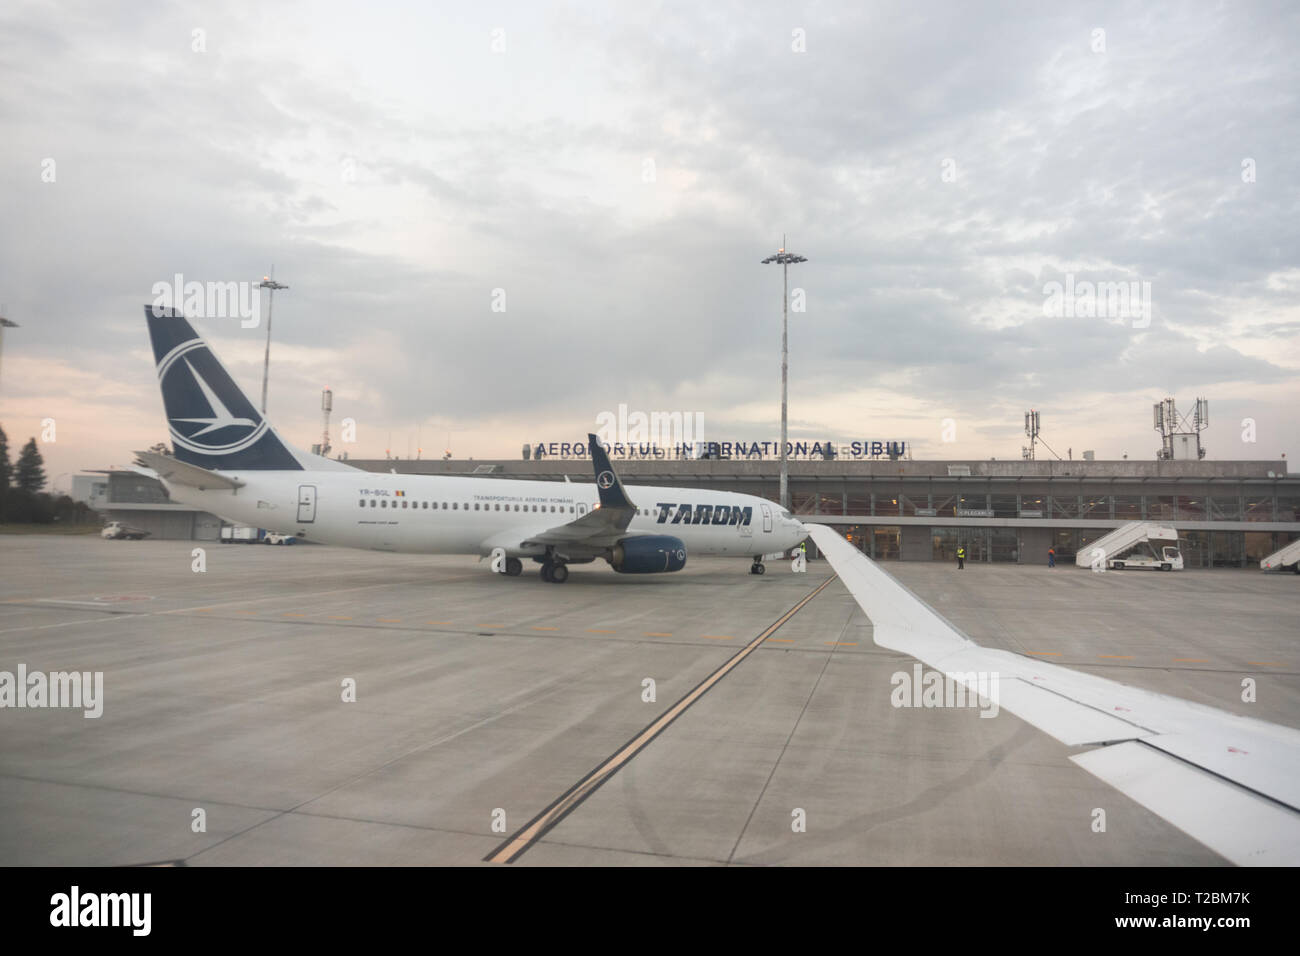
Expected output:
{"points": [[117, 531]]}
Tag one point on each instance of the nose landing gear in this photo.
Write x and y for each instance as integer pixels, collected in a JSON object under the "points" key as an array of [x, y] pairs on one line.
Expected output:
{"points": [[757, 567]]}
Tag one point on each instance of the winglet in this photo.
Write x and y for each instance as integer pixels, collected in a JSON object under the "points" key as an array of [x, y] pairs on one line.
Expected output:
{"points": [[607, 481]]}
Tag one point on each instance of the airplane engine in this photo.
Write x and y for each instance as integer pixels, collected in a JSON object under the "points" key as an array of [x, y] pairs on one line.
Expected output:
{"points": [[649, 554]]}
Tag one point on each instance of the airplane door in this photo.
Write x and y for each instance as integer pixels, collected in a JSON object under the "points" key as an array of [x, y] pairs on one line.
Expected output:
{"points": [[767, 519], [306, 504]]}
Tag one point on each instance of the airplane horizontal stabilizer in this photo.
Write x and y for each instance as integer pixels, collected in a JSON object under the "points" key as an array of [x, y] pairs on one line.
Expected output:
{"points": [[182, 473]]}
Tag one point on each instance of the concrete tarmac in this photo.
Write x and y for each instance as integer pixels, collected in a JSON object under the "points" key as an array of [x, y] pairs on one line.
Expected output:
{"points": [[480, 700]]}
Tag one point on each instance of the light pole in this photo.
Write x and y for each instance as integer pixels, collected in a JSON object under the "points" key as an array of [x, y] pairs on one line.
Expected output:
{"points": [[784, 259], [5, 324], [270, 285]]}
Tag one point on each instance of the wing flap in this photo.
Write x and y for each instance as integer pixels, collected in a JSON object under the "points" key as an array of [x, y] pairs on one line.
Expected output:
{"points": [[595, 528], [1243, 827]]}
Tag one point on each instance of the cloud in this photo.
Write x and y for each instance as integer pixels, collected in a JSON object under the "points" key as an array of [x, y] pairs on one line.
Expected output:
{"points": [[620, 173]]}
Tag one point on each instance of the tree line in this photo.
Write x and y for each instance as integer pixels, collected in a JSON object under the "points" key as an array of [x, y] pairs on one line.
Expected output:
{"points": [[22, 498]]}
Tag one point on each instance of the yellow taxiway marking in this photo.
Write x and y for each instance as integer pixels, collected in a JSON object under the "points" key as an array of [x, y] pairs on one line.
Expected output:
{"points": [[203, 610], [1116, 657], [1190, 660], [536, 628], [339, 618], [1045, 653], [597, 630], [508, 851], [1266, 663], [658, 633], [842, 644], [291, 614], [446, 623], [389, 620], [244, 612], [716, 637]]}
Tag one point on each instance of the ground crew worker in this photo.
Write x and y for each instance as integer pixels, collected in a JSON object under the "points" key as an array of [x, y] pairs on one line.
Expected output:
{"points": [[961, 557], [803, 546], [1051, 557]]}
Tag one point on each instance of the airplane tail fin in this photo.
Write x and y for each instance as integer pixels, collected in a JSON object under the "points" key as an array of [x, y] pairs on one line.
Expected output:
{"points": [[213, 424], [608, 485]]}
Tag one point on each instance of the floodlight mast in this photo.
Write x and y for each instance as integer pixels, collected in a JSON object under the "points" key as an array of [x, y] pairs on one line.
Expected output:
{"points": [[268, 283], [785, 260]]}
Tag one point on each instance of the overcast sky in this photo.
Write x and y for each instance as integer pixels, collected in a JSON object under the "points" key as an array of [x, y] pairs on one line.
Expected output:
{"points": [[619, 170]]}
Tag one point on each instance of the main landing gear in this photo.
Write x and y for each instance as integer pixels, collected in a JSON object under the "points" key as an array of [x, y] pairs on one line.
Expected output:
{"points": [[757, 567], [514, 567], [556, 572]]}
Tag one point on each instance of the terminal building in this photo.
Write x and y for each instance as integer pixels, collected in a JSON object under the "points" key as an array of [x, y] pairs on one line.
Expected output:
{"points": [[1228, 513]]}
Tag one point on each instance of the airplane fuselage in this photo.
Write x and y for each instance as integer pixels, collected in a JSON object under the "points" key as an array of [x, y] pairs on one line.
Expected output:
{"points": [[446, 514]]}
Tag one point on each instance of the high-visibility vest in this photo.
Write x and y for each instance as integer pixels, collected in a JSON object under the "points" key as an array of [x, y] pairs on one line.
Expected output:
{"points": [[961, 552]]}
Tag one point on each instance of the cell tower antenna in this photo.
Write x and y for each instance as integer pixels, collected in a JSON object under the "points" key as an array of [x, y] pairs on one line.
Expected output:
{"points": [[1031, 432], [1180, 435], [326, 406]]}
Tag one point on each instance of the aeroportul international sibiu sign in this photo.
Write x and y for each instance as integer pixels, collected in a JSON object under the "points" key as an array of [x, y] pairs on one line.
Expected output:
{"points": [[752, 450]]}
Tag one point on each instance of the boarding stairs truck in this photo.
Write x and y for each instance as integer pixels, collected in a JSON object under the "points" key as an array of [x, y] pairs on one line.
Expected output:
{"points": [[1286, 558], [1138, 544]]}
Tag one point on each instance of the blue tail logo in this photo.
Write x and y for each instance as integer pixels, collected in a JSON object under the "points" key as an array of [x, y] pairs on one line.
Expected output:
{"points": [[212, 423], [219, 431]]}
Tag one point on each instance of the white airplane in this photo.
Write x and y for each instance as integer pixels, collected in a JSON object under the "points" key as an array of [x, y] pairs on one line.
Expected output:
{"points": [[227, 459]]}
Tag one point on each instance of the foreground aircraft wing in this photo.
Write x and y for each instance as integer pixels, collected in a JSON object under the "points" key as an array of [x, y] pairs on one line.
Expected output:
{"points": [[180, 473], [601, 527], [1230, 782]]}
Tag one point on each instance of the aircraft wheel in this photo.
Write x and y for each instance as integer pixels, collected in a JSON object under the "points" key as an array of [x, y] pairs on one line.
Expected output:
{"points": [[545, 572], [514, 567], [757, 568], [559, 574]]}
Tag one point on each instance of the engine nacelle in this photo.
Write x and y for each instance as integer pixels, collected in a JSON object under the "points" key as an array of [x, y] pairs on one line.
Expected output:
{"points": [[650, 554]]}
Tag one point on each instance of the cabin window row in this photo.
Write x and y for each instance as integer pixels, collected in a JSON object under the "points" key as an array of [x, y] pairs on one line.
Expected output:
{"points": [[461, 506], [465, 506]]}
